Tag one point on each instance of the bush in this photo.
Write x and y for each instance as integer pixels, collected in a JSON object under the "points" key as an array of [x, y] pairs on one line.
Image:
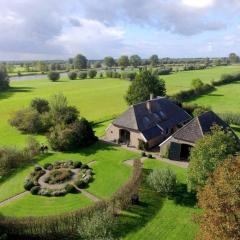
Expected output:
{"points": [[27, 120], [40, 105], [143, 154], [72, 75], [28, 185], [92, 73], [38, 168], [73, 136], [4, 80], [77, 164], [142, 145], [200, 110], [34, 190], [48, 166], [84, 166], [150, 156], [82, 75], [53, 76], [80, 183], [70, 188], [162, 180]]}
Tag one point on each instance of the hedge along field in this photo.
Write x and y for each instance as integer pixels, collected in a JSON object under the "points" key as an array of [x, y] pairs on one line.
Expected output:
{"points": [[110, 174], [182, 80], [97, 99], [158, 217]]}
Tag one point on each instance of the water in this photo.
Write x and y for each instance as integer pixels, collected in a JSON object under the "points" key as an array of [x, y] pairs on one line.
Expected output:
{"points": [[33, 77]]}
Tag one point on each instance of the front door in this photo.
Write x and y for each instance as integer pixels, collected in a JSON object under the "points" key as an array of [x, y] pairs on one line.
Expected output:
{"points": [[124, 136]]}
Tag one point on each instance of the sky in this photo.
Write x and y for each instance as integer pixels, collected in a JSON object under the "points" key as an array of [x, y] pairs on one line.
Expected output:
{"points": [[59, 29]]}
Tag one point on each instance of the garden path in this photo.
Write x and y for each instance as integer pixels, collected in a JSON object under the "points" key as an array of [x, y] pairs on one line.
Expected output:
{"points": [[14, 198]]}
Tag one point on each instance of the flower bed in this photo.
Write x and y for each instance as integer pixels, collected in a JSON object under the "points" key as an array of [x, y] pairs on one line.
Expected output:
{"points": [[59, 178]]}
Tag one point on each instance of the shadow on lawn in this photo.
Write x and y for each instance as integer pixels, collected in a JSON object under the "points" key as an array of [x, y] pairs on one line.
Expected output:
{"points": [[137, 216], [12, 90]]}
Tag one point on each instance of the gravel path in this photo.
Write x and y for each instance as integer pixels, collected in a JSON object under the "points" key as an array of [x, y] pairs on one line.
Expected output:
{"points": [[13, 198], [88, 194]]}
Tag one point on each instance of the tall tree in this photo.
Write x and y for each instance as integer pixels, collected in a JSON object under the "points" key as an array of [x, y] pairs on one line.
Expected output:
{"points": [[220, 201], [109, 61], [145, 83], [123, 61], [135, 60], [208, 153], [4, 80], [80, 62], [233, 58], [154, 60]]}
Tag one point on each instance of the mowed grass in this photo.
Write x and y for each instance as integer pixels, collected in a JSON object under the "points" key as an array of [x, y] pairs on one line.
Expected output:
{"points": [[182, 80], [96, 99], [160, 218], [225, 98], [110, 174]]}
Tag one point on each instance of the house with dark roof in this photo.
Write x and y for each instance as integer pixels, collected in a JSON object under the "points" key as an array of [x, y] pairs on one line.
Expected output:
{"points": [[178, 145], [150, 122]]}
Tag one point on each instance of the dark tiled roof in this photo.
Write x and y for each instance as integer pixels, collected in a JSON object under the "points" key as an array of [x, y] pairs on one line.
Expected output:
{"points": [[162, 113], [199, 126], [152, 133]]}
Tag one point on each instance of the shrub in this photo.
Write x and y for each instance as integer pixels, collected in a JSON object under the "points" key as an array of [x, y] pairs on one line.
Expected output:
{"points": [[80, 183], [143, 154], [77, 164], [53, 76], [82, 75], [34, 190], [70, 188], [101, 75], [27, 120], [150, 156], [73, 136], [72, 75], [200, 110], [109, 74], [142, 145], [197, 83], [48, 166], [162, 181], [38, 168], [92, 73], [4, 80], [29, 185], [40, 105], [84, 166]]}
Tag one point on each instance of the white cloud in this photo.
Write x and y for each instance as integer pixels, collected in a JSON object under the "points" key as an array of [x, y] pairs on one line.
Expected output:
{"points": [[199, 3]]}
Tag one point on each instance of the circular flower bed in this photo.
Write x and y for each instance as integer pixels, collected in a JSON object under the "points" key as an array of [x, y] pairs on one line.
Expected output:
{"points": [[59, 178]]}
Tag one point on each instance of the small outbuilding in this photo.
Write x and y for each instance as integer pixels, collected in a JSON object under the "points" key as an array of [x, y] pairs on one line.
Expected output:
{"points": [[178, 145], [147, 123]]}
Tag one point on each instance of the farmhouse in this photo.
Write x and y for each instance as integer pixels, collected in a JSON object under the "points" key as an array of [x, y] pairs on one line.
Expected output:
{"points": [[179, 144], [149, 123]]}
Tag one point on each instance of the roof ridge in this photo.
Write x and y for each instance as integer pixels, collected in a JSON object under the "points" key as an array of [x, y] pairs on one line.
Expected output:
{"points": [[183, 126], [133, 106], [198, 121]]}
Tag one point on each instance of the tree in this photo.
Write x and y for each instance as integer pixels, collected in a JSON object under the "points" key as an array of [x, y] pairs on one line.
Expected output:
{"points": [[4, 80], [197, 83], [123, 61], [233, 58], [109, 61], [135, 60], [220, 201], [208, 153], [72, 136], [40, 104], [80, 62], [54, 76], [72, 75], [82, 75], [145, 83], [92, 73], [162, 180], [97, 64], [200, 110], [99, 225], [154, 60]]}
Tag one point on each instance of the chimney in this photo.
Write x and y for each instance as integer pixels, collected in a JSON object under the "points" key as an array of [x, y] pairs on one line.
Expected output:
{"points": [[151, 96]]}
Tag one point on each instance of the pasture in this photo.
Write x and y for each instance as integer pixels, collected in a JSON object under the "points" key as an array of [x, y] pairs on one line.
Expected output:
{"points": [[182, 80]]}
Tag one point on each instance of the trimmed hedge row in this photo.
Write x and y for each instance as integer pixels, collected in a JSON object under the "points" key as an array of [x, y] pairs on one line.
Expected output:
{"points": [[65, 225]]}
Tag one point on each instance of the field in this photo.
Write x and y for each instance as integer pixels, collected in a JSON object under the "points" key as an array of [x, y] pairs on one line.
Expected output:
{"points": [[182, 80]]}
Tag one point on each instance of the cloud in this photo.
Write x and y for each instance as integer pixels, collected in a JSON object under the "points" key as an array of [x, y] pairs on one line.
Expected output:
{"points": [[50, 29]]}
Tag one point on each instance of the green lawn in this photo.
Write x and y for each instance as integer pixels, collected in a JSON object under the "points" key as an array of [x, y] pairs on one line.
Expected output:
{"points": [[225, 98], [110, 174], [97, 99], [161, 218], [182, 80]]}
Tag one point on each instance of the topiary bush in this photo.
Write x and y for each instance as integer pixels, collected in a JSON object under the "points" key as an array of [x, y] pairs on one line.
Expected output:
{"points": [[163, 181], [29, 185], [82, 75], [72, 75], [48, 166], [77, 164], [70, 188], [53, 76], [34, 190]]}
